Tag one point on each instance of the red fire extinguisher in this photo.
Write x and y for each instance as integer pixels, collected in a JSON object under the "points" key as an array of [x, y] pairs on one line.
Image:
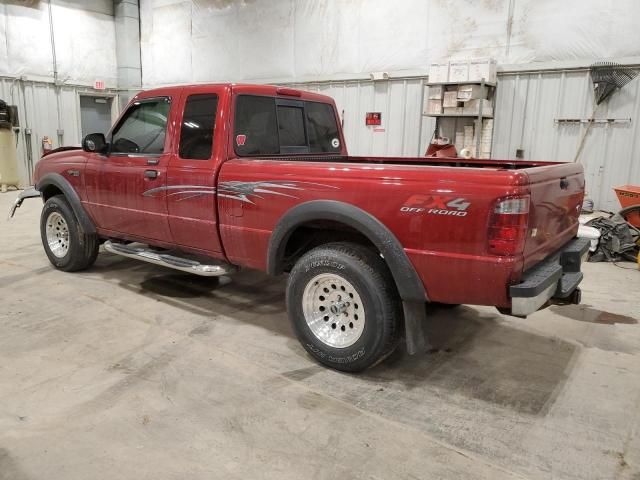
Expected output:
{"points": [[47, 145]]}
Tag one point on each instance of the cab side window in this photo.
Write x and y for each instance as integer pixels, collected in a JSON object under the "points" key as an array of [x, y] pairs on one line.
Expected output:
{"points": [[198, 123], [256, 127], [322, 128], [143, 128], [277, 126]]}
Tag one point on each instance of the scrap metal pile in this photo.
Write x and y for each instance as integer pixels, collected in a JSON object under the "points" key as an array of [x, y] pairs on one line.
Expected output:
{"points": [[618, 239]]}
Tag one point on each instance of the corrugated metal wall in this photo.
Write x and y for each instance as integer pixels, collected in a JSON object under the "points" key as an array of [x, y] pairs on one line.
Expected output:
{"points": [[37, 110], [527, 105], [399, 101]]}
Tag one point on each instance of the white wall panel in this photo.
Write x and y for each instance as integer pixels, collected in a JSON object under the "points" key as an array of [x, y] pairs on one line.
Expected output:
{"points": [[293, 41], [84, 35], [85, 44]]}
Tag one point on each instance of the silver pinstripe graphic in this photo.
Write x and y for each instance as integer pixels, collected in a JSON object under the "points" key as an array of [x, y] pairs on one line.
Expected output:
{"points": [[237, 190], [242, 191], [190, 191]]}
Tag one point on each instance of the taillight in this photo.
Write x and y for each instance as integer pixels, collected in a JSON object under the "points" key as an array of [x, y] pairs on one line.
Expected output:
{"points": [[508, 226]]}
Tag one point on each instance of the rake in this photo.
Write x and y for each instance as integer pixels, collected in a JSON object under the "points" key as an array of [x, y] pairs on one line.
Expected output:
{"points": [[607, 77]]}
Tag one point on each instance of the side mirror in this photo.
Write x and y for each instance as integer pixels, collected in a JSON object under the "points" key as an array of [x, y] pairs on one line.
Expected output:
{"points": [[95, 143]]}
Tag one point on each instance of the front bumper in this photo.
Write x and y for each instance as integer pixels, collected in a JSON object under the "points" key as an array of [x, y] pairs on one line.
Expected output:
{"points": [[554, 280], [30, 192]]}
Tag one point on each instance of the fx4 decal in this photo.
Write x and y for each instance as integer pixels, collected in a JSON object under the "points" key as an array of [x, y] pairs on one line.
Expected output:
{"points": [[436, 205]]}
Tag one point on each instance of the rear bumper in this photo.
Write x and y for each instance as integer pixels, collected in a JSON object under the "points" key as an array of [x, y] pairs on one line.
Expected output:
{"points": [[554, 280]]}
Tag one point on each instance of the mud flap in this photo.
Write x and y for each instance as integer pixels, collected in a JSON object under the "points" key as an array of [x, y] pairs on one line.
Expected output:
{"points": [[415, 314]]}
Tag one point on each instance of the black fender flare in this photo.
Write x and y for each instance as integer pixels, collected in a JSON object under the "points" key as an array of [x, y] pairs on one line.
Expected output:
{"points": [[409, 284], [72, 197]]}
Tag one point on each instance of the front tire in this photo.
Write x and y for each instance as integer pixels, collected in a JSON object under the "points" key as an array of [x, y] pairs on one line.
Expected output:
{"points": [[67, 246], [344, 306]]}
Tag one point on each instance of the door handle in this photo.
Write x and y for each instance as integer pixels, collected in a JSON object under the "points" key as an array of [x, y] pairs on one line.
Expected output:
{"points": [[564, 183], [151, 174]]}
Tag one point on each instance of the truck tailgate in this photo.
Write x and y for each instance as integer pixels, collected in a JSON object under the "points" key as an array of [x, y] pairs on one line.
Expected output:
{"points": [[557, 193]]}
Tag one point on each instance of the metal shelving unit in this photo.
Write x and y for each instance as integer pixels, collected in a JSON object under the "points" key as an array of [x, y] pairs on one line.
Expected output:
{"points": [[454, 115], [481, 82], [488, 91]]}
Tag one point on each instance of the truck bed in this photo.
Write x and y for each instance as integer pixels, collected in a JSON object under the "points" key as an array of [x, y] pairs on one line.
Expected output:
{"points": [[452, 162], [426, 161], [439, 246]]}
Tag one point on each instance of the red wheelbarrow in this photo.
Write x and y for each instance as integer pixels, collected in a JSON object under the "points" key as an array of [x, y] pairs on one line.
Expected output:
{"points": [[629, 198]]}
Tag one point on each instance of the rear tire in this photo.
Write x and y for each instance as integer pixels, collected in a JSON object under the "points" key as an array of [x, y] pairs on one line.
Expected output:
{"points": [[67, 246], [344, 306]]}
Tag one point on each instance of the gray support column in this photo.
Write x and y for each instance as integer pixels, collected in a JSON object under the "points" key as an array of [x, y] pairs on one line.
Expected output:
{"points": [[127, 13]]}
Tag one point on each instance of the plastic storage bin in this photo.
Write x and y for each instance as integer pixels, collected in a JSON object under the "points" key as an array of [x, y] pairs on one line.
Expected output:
{"points": [[8, 160]]}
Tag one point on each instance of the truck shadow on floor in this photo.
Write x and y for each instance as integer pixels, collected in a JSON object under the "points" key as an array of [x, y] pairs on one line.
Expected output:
{"points": [[249, 296], [9, 467], [585, 313], [478, 355], [471, 353]]}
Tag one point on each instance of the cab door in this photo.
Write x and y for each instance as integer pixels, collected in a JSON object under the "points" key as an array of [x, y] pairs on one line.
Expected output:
{"points": [[192, 172], [125, 188]]}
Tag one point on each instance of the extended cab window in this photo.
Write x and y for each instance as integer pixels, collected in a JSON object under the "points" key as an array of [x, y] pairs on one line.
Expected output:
{"points": [[268, 126], [291, 126], [255, 126], [143, 128], [198, 123], [322, 128]]}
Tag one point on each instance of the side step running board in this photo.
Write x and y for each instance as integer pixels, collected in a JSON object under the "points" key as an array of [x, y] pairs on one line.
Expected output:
{"points": [[171, 261]]}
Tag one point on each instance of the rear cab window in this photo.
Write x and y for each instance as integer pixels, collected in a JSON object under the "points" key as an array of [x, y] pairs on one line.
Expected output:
{"points": [[267, 126]]}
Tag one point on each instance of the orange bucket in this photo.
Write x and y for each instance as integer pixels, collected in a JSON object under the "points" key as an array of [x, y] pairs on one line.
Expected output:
{"points": [[629, 195]]}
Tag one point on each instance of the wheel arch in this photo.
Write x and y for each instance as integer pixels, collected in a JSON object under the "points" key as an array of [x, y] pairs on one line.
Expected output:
{"points": [[55, 184], [408, 283], [404, 274]]}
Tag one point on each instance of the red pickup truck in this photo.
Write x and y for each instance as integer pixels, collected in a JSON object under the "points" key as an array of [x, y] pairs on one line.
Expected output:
{"points": [[210, 178]]}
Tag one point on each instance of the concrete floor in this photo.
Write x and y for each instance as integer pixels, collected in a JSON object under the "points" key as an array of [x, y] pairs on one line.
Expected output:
{"points": [[131, 371]]}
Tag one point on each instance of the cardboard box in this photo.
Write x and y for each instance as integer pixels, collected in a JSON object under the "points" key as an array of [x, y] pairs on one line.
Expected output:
{"points": [[472, 107], [450, 99], [452, 110], [433, 107], [471, 92], [459, 71], [439, 72], [459, 141], [480, 68], [468, 130], [435, 92], [487, 131], [467, 140], [486, 137]]}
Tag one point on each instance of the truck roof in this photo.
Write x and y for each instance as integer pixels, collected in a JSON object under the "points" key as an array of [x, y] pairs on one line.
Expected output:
{"points": [[245, 88]]}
